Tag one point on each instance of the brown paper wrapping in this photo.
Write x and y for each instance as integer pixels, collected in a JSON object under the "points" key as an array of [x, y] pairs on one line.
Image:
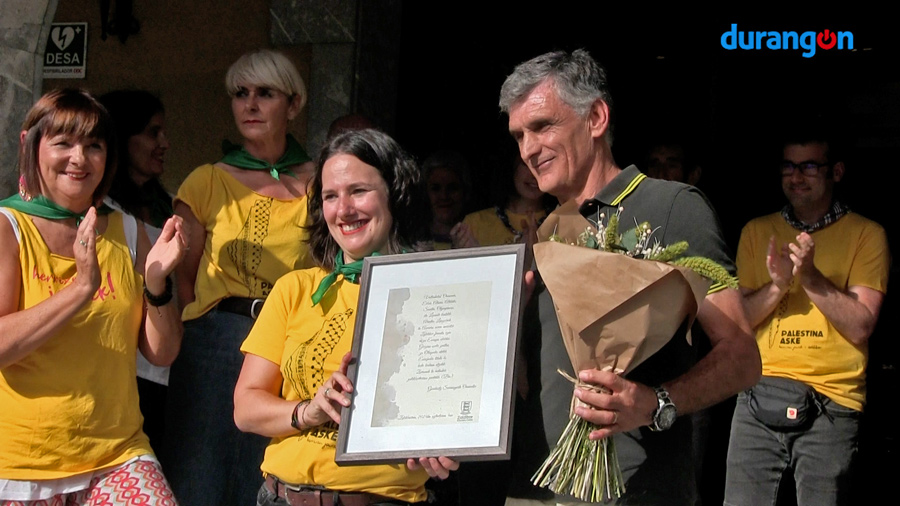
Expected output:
{"points": [[613, 310]]}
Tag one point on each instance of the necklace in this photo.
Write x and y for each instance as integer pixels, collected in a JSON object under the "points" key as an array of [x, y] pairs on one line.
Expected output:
{"points": [[504, 218]]}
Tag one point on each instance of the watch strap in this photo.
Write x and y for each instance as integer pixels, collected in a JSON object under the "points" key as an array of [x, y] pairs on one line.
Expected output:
{"points": [[662, 397]]}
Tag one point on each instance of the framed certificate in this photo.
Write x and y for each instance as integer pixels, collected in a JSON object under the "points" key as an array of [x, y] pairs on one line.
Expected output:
{"points": [[434, 355]]}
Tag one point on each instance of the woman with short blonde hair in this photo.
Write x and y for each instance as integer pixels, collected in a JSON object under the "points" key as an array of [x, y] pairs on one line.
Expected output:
{"points": [[246, 214]]}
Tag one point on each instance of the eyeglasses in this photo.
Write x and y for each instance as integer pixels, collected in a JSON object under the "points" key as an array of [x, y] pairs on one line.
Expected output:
{"points": [[807, 168]]}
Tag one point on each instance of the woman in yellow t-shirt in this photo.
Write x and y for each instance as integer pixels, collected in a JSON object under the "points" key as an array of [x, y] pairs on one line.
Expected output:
{"points": [[521, 207], [73, 316], [245, 215], [366, 200]]}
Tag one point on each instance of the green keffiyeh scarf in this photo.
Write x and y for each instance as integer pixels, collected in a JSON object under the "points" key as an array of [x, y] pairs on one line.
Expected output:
{"points": [[350, 272], [238, 156], [43, 207]]}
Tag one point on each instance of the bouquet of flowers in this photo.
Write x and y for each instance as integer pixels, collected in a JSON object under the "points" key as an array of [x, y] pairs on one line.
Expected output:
{"points": [[615, 325]]}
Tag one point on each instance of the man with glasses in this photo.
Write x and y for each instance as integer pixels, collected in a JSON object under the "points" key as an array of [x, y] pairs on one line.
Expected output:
{"points": [[813, 277]]}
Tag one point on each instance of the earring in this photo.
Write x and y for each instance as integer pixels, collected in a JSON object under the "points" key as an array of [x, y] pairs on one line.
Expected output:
{"points": [[22, 191]]}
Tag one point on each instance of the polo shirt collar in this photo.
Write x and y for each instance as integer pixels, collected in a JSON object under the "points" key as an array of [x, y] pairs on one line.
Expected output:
{"points": [[613, 193]]}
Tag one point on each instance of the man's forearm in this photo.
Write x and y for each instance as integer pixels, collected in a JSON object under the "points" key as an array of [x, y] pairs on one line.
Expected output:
{"points": [[727, 369], [759, 304], [853, 313], [732, 365]]}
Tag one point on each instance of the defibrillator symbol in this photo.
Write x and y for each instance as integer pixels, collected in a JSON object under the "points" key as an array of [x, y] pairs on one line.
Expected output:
{"points": [[65, 51]]}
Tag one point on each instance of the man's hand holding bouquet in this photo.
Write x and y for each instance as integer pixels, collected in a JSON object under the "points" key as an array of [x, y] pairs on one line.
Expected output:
{"points": [[619, 297]]}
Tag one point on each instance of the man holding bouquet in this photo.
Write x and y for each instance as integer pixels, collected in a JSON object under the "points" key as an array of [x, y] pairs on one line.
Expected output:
{"points": [[814, 275], [559, 113]]}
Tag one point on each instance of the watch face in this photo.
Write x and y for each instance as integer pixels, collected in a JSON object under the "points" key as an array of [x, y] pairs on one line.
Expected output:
{"points": [[666, 417]]}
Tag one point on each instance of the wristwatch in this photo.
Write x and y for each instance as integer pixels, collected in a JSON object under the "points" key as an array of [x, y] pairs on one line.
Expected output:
{"points": [[665, 414]]}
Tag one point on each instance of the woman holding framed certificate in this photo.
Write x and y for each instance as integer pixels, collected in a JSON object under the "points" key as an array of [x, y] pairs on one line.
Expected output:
{"points": [[365, 199]]}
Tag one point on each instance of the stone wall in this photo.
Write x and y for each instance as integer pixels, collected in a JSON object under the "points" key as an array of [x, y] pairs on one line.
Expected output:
{"points": [[24, 25], [355, 55]]}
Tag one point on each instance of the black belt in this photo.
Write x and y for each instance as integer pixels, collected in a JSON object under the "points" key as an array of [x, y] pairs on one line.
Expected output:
{"points": [[243, 306], [314, 496]]}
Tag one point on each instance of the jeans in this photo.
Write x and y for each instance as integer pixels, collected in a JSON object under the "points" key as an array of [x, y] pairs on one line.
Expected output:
{"points": [[206, 458], [821, 456]]}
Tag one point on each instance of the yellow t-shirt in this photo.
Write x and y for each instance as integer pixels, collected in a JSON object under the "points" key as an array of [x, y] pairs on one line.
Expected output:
{"points": [[251, 240], [490, 231], [796, 341], [308, 344], [71, 405]]}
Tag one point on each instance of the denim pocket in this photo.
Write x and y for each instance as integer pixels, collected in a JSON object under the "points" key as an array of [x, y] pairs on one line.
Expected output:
{"points": [[835, 409]]}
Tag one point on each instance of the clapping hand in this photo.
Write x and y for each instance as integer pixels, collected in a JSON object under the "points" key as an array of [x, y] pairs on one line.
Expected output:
{"points": [[165, 254], [779, 265], [801, 254], [461, 236], [85, 252]]}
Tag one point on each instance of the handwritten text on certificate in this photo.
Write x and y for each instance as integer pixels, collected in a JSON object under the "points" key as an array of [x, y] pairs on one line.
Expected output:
{"points": [[432, 355]]}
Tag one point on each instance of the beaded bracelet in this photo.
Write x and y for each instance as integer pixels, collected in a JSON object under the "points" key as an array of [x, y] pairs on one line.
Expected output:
{"points": [[161, 299]]}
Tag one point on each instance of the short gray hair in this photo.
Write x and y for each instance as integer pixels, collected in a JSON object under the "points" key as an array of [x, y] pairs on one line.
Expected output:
{"points": [[577, 78], [266, 68]]}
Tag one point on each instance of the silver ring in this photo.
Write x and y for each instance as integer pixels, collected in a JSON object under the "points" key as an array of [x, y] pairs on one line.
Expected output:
{"points": [[326, 391], [615, 417], [82, 242]]}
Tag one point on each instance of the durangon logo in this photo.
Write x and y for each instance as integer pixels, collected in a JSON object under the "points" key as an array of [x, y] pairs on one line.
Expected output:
{"points": [[807, 41]]}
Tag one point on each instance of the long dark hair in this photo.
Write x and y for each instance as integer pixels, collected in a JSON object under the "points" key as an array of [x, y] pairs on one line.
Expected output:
{"points": [[405, 193], [131, 111]]}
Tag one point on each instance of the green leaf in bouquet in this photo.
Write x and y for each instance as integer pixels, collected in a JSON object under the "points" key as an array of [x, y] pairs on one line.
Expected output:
{"points": [[630, 239], [612, 231], [708, 269], [671, 252]]}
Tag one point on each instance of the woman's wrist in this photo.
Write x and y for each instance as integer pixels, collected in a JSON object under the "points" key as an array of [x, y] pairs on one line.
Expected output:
{"points": [[85, 287], [158, 297], [155, 283], [298, 420]]}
